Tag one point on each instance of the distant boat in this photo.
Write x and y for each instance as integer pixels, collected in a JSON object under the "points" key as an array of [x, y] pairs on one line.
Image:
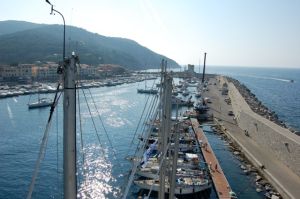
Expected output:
{"points": [[3, 95], [291, 80], [147, 90], [150, 91], [42, 102]]}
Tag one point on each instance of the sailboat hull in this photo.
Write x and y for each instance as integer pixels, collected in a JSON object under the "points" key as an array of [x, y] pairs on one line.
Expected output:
{"points": [[179, 189], [40, 104]]}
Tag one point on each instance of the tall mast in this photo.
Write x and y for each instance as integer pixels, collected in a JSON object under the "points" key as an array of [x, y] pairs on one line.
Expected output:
{"points": [[175, 158], [69, 134], [166, 129], [202, 82]]}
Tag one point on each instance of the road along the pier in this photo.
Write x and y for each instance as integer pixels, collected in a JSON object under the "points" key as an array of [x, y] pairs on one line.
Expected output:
{"points": [[285, 181]]}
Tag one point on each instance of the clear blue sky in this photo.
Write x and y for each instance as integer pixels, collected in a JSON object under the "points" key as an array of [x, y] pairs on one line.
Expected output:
{"points": [[233, 33]]}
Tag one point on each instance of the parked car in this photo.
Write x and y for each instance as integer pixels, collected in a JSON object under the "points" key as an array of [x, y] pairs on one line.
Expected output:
{"points": [[230, 112], [208, 100]]}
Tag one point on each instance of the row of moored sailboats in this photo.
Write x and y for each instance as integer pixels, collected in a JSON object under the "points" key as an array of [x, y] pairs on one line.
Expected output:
{"points": [[166, 161]]}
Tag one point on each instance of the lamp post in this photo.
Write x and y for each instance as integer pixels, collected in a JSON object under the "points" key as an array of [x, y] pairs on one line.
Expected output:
{"points": [[64, 44]]}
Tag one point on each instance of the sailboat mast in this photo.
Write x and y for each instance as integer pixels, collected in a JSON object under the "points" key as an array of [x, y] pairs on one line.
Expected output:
{"points": [[69, 134], [175, 157], [166, 129], [202, 82]]}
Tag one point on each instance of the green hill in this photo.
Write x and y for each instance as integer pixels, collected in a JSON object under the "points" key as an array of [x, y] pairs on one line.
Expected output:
{"points": [[27, 42]]}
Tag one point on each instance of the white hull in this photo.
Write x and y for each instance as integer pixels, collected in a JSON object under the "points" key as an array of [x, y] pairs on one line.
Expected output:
{"points": [[41, 103], [182, 172], [180, 189]]}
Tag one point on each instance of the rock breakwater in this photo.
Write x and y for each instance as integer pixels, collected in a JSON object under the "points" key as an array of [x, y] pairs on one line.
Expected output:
{"points": [[256, 105]]}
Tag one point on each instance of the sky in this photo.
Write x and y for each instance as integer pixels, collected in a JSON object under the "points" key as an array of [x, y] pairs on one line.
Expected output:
{"points": [[259, 33]]}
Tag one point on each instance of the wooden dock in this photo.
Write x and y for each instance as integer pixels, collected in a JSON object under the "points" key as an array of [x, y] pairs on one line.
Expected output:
{"points": [[220, 182]]}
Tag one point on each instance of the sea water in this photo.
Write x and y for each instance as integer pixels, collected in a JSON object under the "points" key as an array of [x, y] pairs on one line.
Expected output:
{"points": [[106, 139]]}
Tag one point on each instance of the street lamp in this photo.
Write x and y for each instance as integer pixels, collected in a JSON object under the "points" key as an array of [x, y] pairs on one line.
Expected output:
{"points": [[64, 26]]}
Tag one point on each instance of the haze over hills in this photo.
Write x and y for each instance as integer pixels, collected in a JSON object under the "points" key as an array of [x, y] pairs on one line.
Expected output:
{"points": [[29, 42]]}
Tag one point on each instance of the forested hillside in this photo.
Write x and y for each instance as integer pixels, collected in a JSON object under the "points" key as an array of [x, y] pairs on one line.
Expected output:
{"points": [[40, 42]]}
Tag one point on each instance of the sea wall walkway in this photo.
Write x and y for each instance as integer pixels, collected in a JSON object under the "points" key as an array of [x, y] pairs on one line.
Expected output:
{"points": [[279, 141], [285, 181], [220, 182]]}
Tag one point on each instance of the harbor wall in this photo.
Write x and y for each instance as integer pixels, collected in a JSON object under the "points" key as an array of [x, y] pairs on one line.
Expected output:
{"points": [[279, 141], [267, 175]]}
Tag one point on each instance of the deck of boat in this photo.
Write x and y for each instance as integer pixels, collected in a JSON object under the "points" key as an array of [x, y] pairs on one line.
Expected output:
{"points": [[220, 182]]}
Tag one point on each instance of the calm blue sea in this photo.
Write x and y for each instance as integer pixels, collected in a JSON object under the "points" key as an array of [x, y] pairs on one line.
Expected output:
{"points": [[120, 109], [271, 86]]}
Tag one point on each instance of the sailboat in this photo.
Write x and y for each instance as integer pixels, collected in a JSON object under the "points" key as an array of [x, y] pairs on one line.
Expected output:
{"points": [[147, 90], [42, 102]]}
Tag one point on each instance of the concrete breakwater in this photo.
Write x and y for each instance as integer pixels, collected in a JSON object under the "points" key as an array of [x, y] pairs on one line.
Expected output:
{"points": [[276, 139]]}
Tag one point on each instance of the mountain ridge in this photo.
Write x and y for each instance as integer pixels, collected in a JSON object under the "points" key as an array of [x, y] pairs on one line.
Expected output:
{"points": [[28, 42]]}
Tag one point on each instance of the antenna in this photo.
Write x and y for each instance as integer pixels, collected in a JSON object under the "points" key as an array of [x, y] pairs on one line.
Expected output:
{"points": [[70, 31]]}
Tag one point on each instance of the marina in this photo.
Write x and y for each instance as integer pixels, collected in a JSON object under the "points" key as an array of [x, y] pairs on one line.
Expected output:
{"points": [[103, 113], [112, 103]]}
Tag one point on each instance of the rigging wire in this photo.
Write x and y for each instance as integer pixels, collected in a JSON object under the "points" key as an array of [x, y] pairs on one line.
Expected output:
{"points": [[134, 164], [98, 137], [42, 167], [42, 147], [57, 153], [81, 139], [140, 120], [127, 174], [106, 132]]}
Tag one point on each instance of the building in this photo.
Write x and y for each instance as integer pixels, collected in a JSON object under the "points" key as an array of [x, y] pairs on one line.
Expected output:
{"points": [[22, 70], [86, 70], [190, 71]]}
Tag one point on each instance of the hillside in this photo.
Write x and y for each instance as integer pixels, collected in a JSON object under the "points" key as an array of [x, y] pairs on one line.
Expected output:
{"points": [[8, 27], [28, 42]]}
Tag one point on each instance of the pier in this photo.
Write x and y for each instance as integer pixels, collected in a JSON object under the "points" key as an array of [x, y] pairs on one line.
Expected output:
{"points": [[218, 177], [265, 141]]}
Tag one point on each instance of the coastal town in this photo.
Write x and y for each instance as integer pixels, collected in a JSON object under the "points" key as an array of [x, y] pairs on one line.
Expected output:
{"points": [[26, 73]]}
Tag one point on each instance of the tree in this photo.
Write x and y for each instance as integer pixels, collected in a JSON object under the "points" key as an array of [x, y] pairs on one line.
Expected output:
{"points": [[15, 63]]}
